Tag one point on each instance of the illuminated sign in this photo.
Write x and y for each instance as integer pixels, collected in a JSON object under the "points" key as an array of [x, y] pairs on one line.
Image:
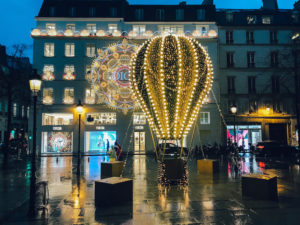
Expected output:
{"points": [[139, 127], [110, 76], [100, 128], [57, 128]]}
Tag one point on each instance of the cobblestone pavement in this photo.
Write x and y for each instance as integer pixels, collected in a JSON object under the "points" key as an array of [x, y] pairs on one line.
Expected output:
{"points": [[213, 199]]}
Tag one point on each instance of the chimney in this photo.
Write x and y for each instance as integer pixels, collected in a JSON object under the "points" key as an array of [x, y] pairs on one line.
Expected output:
{"points": [[208, 2], [297, 5], [270, 5], [182, 3]]}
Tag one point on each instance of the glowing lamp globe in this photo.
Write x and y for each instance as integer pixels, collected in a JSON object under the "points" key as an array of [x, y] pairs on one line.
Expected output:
{"points": [[79, 108], [171, 77], [35, 82]]}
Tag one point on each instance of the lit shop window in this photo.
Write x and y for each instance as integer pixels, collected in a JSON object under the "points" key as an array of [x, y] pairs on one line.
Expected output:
{"points": [[49, 50], [139, 29], [90, 96], [251, 19], [57, 119], [90, 50], [266, 19], [57, 142], [68, 96], [69, 49], [14, 109], [70, 27], [48, 96], [173, 29], [139, 118], [112, 28], [48, 72], [69, 72], [50, 26], [102, 118], [204, 118]]}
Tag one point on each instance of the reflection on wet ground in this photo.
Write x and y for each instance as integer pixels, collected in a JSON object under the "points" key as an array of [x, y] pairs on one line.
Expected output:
{"points": [[214, 199]]}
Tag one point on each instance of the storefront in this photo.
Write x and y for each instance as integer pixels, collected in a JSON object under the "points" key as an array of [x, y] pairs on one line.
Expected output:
{"points": [[99, 141], [245, 135]]}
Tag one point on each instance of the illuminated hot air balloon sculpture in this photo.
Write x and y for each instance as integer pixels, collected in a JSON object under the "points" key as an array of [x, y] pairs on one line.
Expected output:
{"points": [[171, 77]]}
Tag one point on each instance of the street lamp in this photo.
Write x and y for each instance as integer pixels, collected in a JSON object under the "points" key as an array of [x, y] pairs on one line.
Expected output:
{"points": [[233, 110], [35, 86], [80, 110]]}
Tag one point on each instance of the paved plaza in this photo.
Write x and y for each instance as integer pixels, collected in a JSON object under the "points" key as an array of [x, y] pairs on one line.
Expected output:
{"points": [[213, 199]]}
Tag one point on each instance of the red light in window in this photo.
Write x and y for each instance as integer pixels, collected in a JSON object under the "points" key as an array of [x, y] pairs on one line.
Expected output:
{"points": [[262, 164]]}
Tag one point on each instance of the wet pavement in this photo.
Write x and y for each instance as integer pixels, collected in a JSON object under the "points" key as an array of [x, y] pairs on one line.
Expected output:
{"points": [[215, 199]]}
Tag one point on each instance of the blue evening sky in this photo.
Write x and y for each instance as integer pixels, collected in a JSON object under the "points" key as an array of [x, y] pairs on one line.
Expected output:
{"points": [[17, 16]]}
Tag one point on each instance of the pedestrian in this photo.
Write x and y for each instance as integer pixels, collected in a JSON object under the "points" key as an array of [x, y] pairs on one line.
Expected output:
{"points": [[119, 153]]}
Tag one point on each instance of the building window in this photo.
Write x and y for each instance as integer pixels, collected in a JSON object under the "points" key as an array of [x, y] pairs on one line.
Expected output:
{"points": [[106, 118], [160, 14], [49, 50], [273, 37], [204, 117], [295, 16], [251, 85], [92, 11], [88, 73], [139, 118], [50, 26], [200, 14], [68, 96], [69, 72], [230, 61], [250, 59], [275, 84], [72, 11], [139, 29], [90, 50], [90, 96], [229, 17], [6, 106], [252, 106], [92, 29], [139, 14], [229, 37], [179, 14], [231, 85], [23, 111], [250, 37], [57, 119], [274, 59], [173, 29], [52, 11], [15, 110], [251, 19], [113, 12], [203, 29], [28, 111], [112, 28], [48, 73], [277, 106], [48, 96], [70, 27], [267, 19], [69, 49]]}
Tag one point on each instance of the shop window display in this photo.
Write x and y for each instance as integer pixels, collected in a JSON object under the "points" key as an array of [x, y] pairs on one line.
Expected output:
{"points": [[57, 119], [139, 119], [102, 118], [98, 140], [57, 142]]}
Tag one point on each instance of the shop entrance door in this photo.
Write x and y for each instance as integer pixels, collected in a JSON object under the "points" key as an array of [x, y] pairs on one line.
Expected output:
{"points": [[139, 142]]}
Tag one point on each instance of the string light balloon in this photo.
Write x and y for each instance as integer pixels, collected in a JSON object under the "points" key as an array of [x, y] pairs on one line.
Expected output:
{"points": [[171, 77]]}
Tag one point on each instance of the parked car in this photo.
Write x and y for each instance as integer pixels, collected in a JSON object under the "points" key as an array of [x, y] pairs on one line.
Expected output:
{"points": [[275, 148], [171, 150]]}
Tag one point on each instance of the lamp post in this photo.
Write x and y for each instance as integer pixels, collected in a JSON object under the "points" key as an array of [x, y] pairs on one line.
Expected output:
{"points": [[35, 86], [79, 109], [233, 110]]}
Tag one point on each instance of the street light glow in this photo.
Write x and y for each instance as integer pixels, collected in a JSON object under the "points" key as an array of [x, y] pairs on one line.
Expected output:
{"points": [[233, 109], [79, 108]]}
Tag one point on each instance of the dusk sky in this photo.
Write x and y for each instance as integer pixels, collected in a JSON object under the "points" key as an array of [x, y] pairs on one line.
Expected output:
{"points": [[17, 16]]}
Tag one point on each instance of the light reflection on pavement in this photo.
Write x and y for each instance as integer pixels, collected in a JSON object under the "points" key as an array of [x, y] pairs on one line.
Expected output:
{"points": [[207, 199]]}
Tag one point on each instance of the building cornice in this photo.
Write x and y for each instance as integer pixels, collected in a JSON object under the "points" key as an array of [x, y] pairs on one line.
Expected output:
{"points": [[68, 19]]}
